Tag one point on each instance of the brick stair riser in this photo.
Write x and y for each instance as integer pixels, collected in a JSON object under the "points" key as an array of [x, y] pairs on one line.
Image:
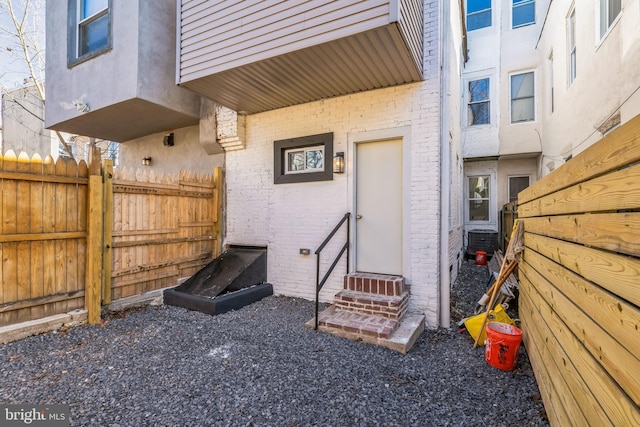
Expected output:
{"points": [[390, 287], [354, 328], [395, 313]]}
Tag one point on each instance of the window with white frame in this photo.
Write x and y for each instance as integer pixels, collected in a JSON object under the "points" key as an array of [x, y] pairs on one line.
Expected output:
{"points": [[479, 111], [516, 185], [551, 82], [478, 14], [479, 198], [90, 34], [523, 13], [609, 11], [571, 41], [304, 160], [523, 106]]}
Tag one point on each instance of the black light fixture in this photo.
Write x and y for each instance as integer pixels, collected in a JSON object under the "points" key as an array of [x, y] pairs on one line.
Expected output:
{"points": [[168, 140], [146, 161], [338, 162]]}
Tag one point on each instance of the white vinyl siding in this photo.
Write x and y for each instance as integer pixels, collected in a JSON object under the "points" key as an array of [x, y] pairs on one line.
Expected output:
{"points": [[217, 37]]}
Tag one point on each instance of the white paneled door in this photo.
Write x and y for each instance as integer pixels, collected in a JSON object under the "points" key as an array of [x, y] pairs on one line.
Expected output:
{"points": [[379, 207]]}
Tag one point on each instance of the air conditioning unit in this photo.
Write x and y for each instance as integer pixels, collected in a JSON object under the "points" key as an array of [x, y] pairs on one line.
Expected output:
{"points": [[482, 240]]}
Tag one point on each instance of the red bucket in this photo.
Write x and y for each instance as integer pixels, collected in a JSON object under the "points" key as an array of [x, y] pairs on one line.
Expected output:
{"points": [[481, 258], [502, 345]]}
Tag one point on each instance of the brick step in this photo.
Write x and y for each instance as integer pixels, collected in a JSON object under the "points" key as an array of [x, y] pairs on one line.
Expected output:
{"points": [[380, 284], [392, 307], [350, 325], [352, 322]]}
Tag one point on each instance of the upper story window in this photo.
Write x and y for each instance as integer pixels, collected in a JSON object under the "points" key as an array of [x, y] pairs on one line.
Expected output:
{"points": [[609, 11], [90, 33], [571, 42], [551, 82], [478, 14], [523, 13], [479, 102], [523, 105]]}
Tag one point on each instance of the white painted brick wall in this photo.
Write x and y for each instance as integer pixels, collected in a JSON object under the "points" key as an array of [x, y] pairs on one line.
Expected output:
{"points": [[287, 217]]}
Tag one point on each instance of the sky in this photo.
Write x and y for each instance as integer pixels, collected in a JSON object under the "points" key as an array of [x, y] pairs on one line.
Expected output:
{"points": [[13, 70]]}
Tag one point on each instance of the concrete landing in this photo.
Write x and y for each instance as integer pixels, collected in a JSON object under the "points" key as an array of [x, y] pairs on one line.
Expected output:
{"points": [[398, 336]]}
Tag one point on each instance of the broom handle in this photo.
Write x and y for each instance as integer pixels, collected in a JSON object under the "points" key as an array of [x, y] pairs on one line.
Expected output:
{"points": [[500, 277], [508, 271]]}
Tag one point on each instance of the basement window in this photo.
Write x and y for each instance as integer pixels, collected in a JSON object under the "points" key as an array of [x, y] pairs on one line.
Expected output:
{"points": [[303, 159]]}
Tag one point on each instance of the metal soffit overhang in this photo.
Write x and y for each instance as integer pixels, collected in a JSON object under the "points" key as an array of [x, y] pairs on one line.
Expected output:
{"points": [[374, 59]]}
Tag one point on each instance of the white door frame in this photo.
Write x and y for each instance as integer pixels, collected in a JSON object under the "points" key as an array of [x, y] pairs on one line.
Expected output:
{"points": [[403, 133]]}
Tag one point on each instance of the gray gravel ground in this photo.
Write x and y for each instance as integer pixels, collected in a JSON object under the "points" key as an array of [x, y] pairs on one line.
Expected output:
{"points": [[259, 366]]}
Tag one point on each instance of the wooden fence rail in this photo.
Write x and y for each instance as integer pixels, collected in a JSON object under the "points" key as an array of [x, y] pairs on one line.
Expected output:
{"points": [[580, 283], [73, 235]]}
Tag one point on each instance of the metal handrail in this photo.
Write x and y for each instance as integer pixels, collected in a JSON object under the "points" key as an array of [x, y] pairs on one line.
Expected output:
{"points": [[320, 283]]}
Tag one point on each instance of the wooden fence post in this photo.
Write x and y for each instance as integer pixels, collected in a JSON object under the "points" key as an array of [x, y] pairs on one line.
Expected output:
{"points": [[218, 182], [94, 239], [107, 240]]}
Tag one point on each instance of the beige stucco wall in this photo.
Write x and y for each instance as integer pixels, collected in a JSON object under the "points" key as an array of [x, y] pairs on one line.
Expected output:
{"points": [[607, 80], [186, 154], [498, 52]]}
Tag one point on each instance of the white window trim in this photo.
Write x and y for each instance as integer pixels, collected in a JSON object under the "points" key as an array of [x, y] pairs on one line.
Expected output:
{"points": [[552, 85], [601, 39], [468, 199], [535, 97], [304, 150], [525, 2], [572, 72], [467, 102]]}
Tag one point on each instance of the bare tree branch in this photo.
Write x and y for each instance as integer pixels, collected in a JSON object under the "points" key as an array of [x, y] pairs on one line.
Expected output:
{"points": [[29, 53]]}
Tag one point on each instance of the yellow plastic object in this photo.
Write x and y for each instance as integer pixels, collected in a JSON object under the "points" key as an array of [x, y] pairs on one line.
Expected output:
{"points": [[474, 323]]}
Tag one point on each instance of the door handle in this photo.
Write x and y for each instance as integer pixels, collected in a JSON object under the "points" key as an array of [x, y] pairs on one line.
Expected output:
{"points": [[358, 217]]}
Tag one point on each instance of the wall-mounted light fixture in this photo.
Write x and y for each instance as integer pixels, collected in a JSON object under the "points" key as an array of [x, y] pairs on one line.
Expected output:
{"points": [[146, 161], [338, 162], [168, 140]]}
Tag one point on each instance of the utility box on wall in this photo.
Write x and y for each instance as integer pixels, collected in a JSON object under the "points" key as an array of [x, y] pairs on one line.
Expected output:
{"points": [[481, 240]]}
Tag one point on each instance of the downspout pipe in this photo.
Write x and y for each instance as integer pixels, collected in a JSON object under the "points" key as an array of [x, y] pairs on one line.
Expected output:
{"points": [[445, 167]]}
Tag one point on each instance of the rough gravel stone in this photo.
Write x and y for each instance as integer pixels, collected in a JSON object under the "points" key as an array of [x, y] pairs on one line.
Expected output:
{"points": [[259, 366]]}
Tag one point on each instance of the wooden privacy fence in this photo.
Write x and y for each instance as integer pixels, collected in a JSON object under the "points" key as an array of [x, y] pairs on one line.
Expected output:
{"points": [[508, 215], [43, 243], [163, 228], [76, 236], [580, 283]]}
